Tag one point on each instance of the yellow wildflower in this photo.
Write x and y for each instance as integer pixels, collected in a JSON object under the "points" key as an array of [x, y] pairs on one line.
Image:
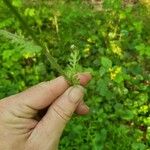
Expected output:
{"points": [[114, 72], [86, 51], [89, 40], [116, 49]]}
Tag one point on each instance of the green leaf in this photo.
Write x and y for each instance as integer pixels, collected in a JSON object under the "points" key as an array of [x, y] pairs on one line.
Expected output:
{"points": [[17, 3], [138, 146], [147, 121], [127, 115], [119, 78], [102, 71], [29, 12], [106, 62], [102, 87]]}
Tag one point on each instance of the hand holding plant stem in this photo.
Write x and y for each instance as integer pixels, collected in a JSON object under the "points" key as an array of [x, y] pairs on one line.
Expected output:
{"points": [[40, 112]]}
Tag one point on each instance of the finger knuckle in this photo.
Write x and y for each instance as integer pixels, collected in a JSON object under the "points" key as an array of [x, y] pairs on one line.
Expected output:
{"points": [[63, 113]]}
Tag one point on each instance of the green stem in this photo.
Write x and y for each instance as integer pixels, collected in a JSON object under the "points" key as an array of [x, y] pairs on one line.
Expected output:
{"points": [[51, 59]]}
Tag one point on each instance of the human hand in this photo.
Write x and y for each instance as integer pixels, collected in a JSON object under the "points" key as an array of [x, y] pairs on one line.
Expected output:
{"points": [[35, 119]]}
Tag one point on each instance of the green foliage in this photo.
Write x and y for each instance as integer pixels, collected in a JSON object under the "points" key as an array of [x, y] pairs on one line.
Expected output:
{"points": [[113, 44], [73, 67]]}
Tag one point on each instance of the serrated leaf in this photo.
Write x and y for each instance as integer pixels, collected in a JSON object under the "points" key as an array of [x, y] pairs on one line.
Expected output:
{"points": [[106, 62], [102, 87]]}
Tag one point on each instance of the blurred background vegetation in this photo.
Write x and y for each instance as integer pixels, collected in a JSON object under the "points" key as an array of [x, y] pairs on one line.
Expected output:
{"points": [[113, 39]]}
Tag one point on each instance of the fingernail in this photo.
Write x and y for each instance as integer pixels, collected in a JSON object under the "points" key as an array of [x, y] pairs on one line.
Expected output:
{"points": [[76, 94], [85, 107]]}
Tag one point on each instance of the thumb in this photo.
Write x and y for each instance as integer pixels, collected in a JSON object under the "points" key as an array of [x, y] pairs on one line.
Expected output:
{"points": [[58, 115], [67, 103]]}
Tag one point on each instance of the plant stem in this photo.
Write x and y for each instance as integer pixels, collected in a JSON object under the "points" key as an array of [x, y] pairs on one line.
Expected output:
{"points": [[51, 59]]}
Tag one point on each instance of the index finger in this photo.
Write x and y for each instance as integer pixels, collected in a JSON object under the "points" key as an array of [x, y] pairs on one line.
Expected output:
{"points": [[42, 95]]}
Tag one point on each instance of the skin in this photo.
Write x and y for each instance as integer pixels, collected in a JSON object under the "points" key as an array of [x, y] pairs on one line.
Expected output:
{"points": [[35, 119]]}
